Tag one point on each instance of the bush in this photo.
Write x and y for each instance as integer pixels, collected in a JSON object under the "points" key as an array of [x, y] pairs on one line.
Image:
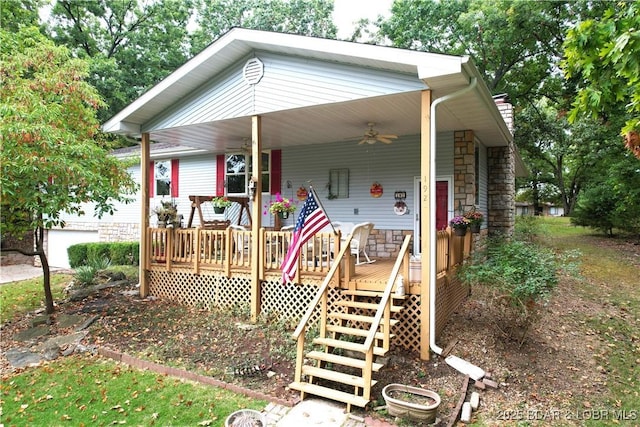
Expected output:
{"points": [[526, 228], [519, 277], [77, 255], [117, 253]]}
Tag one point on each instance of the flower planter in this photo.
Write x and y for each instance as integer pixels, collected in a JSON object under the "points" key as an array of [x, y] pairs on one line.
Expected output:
{"points": [[218, 210], [411, 402], [460, 231], [246, 418], [283, 215], [475, 228]]}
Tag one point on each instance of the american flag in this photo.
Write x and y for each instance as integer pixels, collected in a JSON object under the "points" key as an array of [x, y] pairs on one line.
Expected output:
{"points": [[312, 219]]}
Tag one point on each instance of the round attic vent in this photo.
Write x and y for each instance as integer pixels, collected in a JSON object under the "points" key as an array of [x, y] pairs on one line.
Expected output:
{"points": [[253, 71]]}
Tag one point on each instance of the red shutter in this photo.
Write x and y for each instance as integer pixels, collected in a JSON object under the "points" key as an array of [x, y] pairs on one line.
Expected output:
{"points": [[220, 169], [152, 169], [174, 177], [276, 171]]}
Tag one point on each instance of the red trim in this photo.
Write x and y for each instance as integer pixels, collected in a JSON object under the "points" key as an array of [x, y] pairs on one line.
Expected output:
{"points": [[220, 169], [152, 170], [276, 171], [174, 178]]}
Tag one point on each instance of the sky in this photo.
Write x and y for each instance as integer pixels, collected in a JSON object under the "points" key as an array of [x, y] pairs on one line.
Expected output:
{"points": [[346, 12]]}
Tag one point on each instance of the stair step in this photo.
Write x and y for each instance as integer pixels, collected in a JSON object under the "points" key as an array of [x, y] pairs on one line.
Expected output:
{"points": [[329, 393], [353, 346], [342, 360], [370, 293], [335, 376], [358, 318], [366, 305], [355, 331]]}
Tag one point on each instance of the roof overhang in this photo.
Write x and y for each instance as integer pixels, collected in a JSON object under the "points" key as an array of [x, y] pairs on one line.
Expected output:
{"points": [[396, 113]]}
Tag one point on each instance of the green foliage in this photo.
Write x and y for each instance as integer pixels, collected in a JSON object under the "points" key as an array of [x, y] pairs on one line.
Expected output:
{"points": [[83, 390], [77, 255], [519, 276], [603, 58], [527, 228], [612, 200], [118, 253], [85, 274], [216, 17]]}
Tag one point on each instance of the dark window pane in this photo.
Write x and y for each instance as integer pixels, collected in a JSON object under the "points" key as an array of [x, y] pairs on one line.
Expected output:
{"points": [[236, 184]]}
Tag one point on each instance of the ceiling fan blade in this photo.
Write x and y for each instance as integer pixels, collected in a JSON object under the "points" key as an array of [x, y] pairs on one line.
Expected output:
{"points": [[362, 141], [385, 140], [388, 136]]}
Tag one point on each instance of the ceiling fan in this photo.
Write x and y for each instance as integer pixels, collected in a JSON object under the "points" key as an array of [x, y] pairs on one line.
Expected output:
{"points": [[371, 136]]}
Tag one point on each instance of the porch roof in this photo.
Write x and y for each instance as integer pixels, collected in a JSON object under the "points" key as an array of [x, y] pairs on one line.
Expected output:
{"points": [[397, 113]]}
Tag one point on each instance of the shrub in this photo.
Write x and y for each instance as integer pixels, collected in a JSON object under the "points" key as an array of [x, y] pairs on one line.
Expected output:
{"points": [[526, 228], [519, 276], [118, 253], [77, 255]]}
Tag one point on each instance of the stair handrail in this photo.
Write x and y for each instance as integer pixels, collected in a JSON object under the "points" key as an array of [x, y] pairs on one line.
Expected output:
{"points": [[327, 280], [384, 300]]}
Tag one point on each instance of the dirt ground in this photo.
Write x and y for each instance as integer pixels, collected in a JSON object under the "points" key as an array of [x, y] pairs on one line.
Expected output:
{"points": [[554, 375]]}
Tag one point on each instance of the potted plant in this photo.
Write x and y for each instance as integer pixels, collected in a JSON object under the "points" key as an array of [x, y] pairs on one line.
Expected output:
{"points": [[475, 220], [281, 206], [459, 224], [220, 203], [167, 213]]}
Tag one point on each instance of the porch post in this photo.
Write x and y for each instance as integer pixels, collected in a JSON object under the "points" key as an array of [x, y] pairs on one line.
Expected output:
{"points": [[425, 223], [144, 215], [256, 215]]}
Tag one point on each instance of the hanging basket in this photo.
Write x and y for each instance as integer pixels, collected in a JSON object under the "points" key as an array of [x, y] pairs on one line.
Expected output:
{"points": [[475, 228], [460, 231], [283, 215], [218, 210], [302, 193]]}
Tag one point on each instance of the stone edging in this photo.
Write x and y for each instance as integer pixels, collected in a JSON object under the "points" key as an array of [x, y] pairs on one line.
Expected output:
{"points": [[186, 375]]}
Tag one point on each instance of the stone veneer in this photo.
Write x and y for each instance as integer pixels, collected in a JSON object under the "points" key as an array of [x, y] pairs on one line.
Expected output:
{"points": [[501, 190], [464, 171]]}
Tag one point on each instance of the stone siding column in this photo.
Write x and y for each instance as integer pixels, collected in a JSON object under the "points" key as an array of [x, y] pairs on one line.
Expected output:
{"points": [[501, 190], [464, 172]]}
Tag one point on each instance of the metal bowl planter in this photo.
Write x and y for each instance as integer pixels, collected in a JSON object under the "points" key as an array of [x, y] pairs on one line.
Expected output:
{"points": [[399, 407], [246, 418]]}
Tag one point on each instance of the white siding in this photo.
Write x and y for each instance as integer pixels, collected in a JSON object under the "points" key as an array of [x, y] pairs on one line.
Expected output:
{"points": [[394, 166], [289, 82]]}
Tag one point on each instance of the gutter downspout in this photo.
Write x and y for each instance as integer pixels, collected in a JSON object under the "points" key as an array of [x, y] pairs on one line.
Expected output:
{"points": [[461, 365]]}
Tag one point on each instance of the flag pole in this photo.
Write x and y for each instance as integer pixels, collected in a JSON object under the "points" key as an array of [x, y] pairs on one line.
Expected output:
{"points": [[322, 207]]}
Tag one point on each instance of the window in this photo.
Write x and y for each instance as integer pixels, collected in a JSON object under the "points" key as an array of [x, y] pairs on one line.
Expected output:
{"points": [[162, 173], [238, 172], [338, 183], [163, 178]]}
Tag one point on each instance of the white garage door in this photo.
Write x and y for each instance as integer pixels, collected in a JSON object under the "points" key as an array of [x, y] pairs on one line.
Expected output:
{"points": [[60, 240]]}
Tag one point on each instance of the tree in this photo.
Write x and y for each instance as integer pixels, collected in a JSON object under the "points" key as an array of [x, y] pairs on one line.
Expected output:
{"points": [[132, 44], [17, 13], [516, 44], [53, 158], [603, 57], [304, 17]]}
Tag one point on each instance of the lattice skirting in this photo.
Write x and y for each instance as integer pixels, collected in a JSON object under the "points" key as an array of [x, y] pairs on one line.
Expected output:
{"points": [[291, 301]]}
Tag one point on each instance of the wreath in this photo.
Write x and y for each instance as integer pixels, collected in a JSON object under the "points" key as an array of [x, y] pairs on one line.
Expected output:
{"points": [[376, 190]]}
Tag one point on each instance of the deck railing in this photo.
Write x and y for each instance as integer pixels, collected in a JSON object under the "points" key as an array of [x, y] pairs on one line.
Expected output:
{"points": [[229, 250]]}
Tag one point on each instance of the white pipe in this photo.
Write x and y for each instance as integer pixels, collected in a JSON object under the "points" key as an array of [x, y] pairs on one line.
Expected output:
{"points": [[432, 210]]}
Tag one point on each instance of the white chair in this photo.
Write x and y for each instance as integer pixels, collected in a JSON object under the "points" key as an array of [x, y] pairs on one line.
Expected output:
{"points": [[360, 235]]}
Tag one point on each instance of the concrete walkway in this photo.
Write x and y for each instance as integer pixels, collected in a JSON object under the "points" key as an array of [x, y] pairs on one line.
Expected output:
{"points": [[14, 273]]}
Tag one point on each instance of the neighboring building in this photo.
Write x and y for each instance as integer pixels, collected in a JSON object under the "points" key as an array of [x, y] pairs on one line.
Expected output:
{"points": [[545, 209]]}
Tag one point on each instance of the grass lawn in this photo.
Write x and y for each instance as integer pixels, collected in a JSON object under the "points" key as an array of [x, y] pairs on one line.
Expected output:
{"points": [[610, 277], [84, 390], [87, 390]]}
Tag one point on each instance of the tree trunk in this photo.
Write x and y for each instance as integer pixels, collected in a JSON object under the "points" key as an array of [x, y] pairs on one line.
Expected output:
{"points": [[46, 279]]}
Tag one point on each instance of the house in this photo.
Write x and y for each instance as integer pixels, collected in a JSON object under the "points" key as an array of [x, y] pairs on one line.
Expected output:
{"points": [[545, 209], [259, 113]]}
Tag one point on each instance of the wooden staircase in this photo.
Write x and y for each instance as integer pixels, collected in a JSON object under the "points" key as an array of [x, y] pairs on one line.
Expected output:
{"points": [[353, 332]]}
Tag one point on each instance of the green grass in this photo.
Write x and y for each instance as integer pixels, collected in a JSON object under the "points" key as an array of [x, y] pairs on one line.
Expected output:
{"points": [[610, 278], [27, 295], [84, 390]]}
